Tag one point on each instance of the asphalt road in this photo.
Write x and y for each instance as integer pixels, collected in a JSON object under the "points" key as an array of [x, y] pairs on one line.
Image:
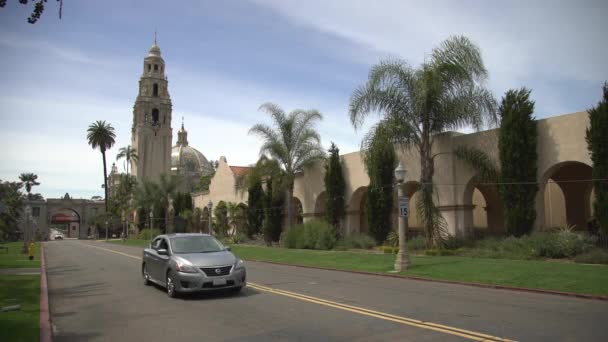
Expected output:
{"points": [[97, 294]]}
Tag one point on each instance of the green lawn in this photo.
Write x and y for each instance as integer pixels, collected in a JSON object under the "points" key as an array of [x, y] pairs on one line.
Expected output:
{"points": [[569, 277], [14, 258], [24, 324]]}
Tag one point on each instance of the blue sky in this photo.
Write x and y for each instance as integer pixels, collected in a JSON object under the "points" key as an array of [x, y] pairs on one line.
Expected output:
{"points": [[224, 59]]}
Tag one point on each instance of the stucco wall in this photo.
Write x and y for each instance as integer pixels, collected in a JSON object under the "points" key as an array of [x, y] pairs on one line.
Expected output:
{"points": [[464, 202]]}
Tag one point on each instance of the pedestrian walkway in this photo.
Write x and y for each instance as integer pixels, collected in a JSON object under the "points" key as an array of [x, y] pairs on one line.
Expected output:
{"points": [[19, 271]]}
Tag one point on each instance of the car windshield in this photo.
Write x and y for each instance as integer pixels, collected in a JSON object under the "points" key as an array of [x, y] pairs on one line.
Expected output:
{"points": [[195, 244]]}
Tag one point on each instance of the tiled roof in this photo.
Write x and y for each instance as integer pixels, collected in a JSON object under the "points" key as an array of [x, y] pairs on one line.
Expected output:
{"points": [[240, 170]]}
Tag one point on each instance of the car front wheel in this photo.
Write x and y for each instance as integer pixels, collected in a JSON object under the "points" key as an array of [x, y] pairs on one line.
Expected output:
{"points": [[171, 291], [145, 275]]}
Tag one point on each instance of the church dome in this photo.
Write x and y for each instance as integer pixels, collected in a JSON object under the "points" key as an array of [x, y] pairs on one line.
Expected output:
{"points": [[154, 51], [187, 159]]}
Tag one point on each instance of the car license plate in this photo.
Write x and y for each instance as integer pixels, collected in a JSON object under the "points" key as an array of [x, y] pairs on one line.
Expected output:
{"points": [[219, 282]]}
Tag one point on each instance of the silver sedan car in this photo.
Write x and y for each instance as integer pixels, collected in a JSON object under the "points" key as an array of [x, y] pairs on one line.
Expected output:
{"points": [[190, 263]]}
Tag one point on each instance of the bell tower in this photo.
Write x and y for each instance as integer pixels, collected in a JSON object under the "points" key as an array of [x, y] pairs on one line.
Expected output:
{"points": [[151, 133]]}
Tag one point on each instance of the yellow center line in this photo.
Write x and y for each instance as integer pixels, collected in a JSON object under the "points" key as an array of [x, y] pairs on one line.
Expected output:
{"points": [[399, 319], [471, 335]]}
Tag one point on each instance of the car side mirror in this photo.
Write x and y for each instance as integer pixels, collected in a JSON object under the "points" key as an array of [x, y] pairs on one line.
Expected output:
{"points": [[162, 251], [228, 248]]}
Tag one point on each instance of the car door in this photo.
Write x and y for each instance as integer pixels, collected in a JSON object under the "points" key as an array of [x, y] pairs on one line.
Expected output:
{"points": [[152, 260], [162, 260]]}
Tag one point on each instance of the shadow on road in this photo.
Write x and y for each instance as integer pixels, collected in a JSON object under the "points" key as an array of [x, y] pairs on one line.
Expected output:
{"points": [[61, 270], [213, 295], [84, 290], [75, 337]]}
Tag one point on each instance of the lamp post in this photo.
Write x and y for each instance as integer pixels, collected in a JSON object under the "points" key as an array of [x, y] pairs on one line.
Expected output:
{"points": [[106, 230], [151, 220], [28, 211], [210, 206], [403, 259]]}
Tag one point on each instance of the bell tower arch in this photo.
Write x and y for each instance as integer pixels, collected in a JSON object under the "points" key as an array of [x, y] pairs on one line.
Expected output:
{"points": [[151, 133]]}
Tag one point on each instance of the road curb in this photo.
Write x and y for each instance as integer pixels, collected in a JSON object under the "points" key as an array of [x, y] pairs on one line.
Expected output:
{"points": [[45, 318], [404, 277]]}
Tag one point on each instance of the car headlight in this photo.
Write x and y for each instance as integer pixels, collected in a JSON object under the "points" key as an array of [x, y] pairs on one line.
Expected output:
{"points": [[185, 268], [239, 264]]}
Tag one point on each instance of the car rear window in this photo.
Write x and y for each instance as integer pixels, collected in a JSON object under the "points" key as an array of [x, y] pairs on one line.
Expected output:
{"points": [[195, 244]]}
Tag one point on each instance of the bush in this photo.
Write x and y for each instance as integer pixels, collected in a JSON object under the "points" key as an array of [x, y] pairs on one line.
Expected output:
{"points": [[145, 234], [389, 249], [564, 244], [416, 244], [440, 252], [356, 241], [393, 238], [560, 244], [595, 256], [310, 235]]}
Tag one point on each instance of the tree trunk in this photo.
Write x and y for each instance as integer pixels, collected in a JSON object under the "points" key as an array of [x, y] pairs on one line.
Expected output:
{"points": [[289, 206], [427, 170], [105, 178]]}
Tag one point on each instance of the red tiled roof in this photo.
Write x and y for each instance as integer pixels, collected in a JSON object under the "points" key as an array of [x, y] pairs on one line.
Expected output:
{"points": [[240, 170]]}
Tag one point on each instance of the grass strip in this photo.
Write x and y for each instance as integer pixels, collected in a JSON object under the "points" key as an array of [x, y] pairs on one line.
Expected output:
{"points": [[23, 324], [13, 258]]}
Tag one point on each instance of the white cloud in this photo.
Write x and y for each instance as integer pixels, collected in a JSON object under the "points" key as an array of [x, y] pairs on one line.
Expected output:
{"points": [[521, 41]]}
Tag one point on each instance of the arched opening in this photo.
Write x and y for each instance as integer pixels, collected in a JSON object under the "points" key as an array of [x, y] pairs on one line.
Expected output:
{"points": [[567, 191], [155, 115], [66, 221], [298, 215], [357, 212], [155, 90], [155, 67], [320, 205], [483, 209]]}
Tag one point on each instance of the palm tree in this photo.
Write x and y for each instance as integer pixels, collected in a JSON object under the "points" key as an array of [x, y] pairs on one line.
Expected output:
{"points": [[167, 186], [293, 142], [101, 135], [129, 154], [445, 93], [29, 179]]}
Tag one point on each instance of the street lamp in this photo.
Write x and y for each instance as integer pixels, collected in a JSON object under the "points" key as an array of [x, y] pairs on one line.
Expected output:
{"points": [[210, 206], [403, 260], [28, 211], [151, 218], [106, 230]]}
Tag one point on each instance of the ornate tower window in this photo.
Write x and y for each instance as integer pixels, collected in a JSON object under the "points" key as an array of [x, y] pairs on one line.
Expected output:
{"points": [[149, 67], [155, 67], [155, 90], [155, 116]]}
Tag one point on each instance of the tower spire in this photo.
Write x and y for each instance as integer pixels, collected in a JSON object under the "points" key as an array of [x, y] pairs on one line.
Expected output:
{"points": [[182, 123]]}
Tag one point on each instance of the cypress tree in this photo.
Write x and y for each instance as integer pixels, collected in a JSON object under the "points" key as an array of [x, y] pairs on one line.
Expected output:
{"points": [[380, 161], [517, 143], [255, 205], [334, 187], [597, 143], [273, 209]]}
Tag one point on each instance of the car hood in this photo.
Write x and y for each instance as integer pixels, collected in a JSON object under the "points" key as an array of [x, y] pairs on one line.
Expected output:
{"points": [[222, 258]]}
